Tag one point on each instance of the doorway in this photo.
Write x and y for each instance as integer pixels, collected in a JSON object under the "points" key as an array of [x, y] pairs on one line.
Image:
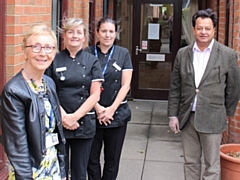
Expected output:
{"points": [[151, 30], [157, 29]]}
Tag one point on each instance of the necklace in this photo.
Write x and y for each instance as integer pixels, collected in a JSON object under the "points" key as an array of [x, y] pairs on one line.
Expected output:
{"points": [[40, 89]]}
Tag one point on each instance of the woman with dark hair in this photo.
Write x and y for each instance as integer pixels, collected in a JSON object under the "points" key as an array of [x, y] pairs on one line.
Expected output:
{"points": [[113, 112], [78, 76]]}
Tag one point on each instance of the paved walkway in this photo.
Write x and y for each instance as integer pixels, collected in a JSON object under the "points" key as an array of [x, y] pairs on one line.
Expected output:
{"points": [[151, 151]]}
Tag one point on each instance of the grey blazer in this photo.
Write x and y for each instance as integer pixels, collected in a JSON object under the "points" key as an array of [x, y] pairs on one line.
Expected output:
{"points": [[218, 91]]}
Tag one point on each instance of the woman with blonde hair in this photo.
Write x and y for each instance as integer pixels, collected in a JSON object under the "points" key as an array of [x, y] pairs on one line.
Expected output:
{"points": [[78, 76], [31, 120]]}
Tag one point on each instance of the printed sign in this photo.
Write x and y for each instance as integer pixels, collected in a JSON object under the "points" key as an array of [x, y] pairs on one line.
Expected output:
{"points": [[144, 45]]}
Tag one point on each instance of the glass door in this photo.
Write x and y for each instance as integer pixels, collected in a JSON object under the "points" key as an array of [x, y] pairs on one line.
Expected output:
{"points": [[155, 41]]}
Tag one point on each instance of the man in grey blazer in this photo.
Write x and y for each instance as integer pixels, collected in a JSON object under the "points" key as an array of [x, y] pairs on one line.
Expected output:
{"points": [[203, 96]]}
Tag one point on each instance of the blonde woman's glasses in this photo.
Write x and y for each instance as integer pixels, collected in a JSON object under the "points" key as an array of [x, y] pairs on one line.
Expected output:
{"points": [[38, 48]]}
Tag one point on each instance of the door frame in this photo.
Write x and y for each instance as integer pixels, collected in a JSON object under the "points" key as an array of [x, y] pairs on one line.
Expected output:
{"points": [[145, 93]]}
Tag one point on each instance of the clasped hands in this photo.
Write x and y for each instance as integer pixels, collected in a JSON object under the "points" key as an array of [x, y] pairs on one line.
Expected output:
{"points": [[70, 122], [105, 115]]}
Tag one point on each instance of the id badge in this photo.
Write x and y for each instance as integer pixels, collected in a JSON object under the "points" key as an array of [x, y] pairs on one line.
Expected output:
{"points": [[61, 69], [117, 66], [51, 140]]}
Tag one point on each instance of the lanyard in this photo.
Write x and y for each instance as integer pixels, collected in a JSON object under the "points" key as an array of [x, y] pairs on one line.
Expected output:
{"points": [[48, 108], [51, 118], [109, 57]]}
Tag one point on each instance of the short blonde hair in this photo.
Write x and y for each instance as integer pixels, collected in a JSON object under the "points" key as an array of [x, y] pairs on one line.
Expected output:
{"points": [[39, 29], [69, 23]]}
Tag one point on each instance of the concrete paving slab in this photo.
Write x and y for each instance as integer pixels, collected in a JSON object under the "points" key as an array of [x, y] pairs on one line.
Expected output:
{"points": [[137, 131], [141, 105], [157, 170], [150, 151], [141, 117], [159, 118], [163, 133], [130, 170], [164, 151], [160, 106], [134, 149]]}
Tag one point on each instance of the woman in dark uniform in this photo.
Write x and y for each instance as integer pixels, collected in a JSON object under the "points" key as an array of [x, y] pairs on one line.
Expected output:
{"points": [[113, 111], [78, 76]]}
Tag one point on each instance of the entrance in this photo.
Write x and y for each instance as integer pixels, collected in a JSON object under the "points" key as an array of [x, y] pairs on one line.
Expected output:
{"points": [[156, 39]]}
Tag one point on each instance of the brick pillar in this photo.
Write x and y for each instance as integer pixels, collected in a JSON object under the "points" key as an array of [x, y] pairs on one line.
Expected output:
{"points": [[234, 127], [233, 133]]}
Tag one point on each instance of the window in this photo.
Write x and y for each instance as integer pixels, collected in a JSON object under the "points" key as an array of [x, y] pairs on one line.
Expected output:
{"points": [[91, 29], [56, 19]]}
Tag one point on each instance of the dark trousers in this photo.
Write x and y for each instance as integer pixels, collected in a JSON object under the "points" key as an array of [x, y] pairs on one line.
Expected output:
{"points": [[113, 139], [77, 155]]}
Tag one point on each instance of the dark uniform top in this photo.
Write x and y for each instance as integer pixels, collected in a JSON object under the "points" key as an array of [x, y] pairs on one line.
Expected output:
{"points": [[119, 61], [73, 78]]}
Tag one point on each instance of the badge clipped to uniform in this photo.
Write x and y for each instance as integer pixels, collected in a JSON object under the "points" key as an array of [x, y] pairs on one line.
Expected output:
{"points": [[61, 69], [117, 66], [51, 140]]}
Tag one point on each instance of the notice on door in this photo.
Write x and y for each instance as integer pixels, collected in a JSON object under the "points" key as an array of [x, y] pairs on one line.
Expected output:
{"points": [[155, 57], [153, 31], [144, 45]]}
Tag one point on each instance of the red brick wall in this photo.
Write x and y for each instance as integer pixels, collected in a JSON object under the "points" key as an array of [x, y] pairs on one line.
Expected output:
{"points": [[20, 14], [233, 133], [98, 9], [111, 8], [222, 21], [79, 9]]}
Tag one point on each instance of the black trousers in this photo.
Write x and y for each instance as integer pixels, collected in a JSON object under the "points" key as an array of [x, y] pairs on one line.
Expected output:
{"points": [[113, 139], [77, 155]]}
